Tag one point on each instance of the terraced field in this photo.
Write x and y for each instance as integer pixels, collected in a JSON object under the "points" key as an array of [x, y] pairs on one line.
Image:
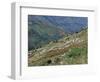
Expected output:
{"points": [[71, 49]]}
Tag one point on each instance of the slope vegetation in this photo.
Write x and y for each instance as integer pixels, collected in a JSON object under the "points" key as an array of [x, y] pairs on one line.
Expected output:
{"points": [[70, 49]]}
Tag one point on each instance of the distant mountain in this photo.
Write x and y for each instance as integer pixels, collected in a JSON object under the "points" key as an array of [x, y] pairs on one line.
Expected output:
{"points": [[68, 24], [43, 29]]}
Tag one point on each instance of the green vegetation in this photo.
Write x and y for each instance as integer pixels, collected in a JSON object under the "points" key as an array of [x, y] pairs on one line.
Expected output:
{"points": [[69, 50], [76, 56]]}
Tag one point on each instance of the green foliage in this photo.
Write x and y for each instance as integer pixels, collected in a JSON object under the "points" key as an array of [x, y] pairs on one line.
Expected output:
{"points": [[75, 52], [76, 56]]}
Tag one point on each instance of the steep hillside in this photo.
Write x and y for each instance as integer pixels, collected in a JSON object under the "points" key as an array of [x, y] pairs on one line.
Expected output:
{"points": [[71, 49], [40, 33], [43, 29]]}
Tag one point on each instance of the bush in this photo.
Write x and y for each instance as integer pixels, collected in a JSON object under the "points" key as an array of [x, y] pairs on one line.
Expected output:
{"points": [[75, 52], [76, 56]]}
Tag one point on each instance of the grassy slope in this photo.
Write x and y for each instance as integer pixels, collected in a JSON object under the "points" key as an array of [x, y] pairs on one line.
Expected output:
{"points": [[70, 49]]}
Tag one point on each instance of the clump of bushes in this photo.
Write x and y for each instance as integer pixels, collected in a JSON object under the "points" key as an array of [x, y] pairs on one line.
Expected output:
{"points": [[76, 56]]}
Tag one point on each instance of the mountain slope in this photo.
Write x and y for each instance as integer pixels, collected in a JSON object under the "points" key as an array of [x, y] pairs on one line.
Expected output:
{"points": [[40, 33], [67, 23], [70, 49], [43, 29]]}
